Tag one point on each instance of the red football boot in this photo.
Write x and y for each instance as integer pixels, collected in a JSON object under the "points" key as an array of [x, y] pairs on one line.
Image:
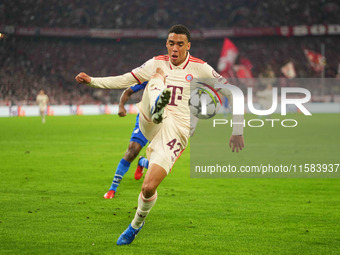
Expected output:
{"points": [[139, 170], [110, 194]]}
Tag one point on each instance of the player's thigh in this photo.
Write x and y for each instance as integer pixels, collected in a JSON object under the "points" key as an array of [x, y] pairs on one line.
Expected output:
{"points": [[137, 142], [133, 150], [148, 128], [138, 137], [167, 145]]}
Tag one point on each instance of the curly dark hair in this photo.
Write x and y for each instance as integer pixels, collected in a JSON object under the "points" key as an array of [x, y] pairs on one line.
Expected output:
{"points": [[180, 29]]}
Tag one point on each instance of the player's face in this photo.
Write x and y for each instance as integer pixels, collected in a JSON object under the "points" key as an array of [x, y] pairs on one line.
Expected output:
{"points": [[178, 46]]}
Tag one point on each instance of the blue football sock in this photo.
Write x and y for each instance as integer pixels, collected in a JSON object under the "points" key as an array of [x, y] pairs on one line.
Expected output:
{"points": [[144, 162], [122, 168]]}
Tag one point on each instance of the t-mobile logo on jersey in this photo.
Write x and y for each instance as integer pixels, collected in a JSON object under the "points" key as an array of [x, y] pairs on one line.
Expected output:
{"points": [[174, 95]]}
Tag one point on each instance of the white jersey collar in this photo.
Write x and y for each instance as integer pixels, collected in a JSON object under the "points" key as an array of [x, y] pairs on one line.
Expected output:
{"points": [[181, 66]]}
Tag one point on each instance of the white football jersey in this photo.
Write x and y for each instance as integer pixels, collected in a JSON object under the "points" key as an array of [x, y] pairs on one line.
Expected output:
{"points": [[42, 101], [178, 80]]}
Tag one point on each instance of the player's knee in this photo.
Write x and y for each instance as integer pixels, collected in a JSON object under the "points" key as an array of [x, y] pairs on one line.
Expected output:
{"points": [[130, 155], [132, 152], [159, 74], [148, 189]]}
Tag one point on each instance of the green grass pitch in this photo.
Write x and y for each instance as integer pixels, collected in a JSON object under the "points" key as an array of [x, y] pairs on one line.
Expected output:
{"points": [[53, 177]]}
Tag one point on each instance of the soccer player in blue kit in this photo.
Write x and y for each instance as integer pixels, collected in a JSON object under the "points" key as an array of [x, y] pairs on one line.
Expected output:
{"points": [[137, 142]]}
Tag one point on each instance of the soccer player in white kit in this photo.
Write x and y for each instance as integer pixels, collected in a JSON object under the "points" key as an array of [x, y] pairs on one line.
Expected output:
{"points": [[164, 113], [42, 100]]}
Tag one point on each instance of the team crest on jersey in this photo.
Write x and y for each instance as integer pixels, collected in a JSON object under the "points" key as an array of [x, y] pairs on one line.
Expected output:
{"points": [[189, 77]]}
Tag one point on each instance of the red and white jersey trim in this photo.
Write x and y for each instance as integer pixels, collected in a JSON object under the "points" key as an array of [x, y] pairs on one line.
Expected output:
{"points": [[162, 57], [139, 82], [190, 59], [196, 60]]}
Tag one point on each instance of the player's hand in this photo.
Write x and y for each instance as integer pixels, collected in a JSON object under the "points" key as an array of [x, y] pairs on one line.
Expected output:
{"points": [[83, 78], [236, 142], [122, 112]]}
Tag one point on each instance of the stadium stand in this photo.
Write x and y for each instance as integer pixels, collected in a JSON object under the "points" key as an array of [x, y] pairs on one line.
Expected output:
{"points": [[159, 14], [29, 63]]}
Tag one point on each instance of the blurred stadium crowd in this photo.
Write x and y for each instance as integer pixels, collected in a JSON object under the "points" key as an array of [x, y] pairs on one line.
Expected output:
{"points": [[28, 64], [161, 13]]}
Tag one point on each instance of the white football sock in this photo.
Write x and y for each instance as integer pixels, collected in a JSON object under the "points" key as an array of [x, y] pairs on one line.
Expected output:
{"points": [[144, 207]]}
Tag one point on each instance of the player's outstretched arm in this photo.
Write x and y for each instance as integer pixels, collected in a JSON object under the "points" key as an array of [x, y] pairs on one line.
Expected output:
{"points": [[111, 82], [83, 78], [236, 142]]}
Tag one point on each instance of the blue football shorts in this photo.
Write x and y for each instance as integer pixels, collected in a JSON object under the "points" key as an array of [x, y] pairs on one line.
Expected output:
{"points": [[137, 135]]}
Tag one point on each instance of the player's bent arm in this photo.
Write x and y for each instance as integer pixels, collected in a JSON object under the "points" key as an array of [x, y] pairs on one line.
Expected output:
{"points": [[236, 142], [125, 96], [113, 82], [238, 120], [123, 99]]}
